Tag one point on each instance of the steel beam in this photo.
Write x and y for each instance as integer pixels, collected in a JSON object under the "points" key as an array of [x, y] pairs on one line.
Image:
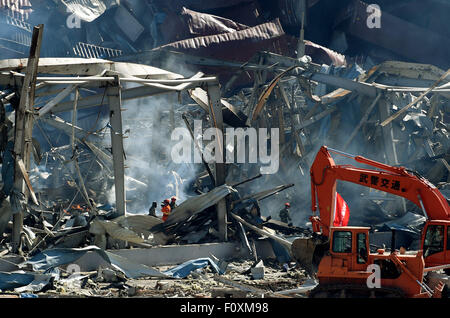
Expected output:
{"points": [[217, 122], [67, 128], [115, 118], [127, 94], [24, 129], [340, 82]]}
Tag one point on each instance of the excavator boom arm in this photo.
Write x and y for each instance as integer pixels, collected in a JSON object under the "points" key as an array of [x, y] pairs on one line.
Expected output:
{"points": [[394, 180]]}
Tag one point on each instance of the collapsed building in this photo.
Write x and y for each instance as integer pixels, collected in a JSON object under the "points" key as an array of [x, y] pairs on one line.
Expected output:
{"points": [[95, 115]]}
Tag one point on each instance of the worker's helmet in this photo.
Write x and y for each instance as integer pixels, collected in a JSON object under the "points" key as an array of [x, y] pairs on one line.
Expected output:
{"points": [[173, 198], [287, 204], [166, 201]]}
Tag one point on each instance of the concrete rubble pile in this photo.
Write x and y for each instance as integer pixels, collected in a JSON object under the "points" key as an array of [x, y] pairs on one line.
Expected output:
{"points": [[96, 112]]}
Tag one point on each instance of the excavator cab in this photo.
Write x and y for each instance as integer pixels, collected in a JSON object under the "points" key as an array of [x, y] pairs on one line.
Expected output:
{"points": [[349, 244], [346, 269], [436, 242], [349, 250]]}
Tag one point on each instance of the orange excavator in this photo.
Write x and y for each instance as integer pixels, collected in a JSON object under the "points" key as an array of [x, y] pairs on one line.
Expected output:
{"points": [[340, 255]]}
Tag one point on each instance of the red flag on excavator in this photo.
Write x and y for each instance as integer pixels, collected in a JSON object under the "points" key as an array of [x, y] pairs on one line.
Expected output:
{"points": [[341, 212]]}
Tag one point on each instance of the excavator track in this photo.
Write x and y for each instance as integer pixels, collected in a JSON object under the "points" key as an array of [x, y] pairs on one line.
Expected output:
{"points": [[354, 291]]}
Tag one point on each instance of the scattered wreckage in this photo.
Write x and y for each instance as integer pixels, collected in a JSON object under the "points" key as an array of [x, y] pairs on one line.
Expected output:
{"points": [[76, 189]]}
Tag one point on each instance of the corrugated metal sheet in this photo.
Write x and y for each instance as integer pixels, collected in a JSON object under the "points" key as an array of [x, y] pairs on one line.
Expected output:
{"points": [[15, 36], [87, 51], [189, 24], [19, 9], [235, 46], [322, 53], [207, 24]]}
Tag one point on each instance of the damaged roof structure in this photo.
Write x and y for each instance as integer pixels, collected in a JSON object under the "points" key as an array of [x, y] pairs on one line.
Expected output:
{"points": [[89, 105]]}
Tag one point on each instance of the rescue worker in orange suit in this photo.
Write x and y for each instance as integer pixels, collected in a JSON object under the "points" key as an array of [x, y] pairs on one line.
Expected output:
{"points": [[173, 203], [165, 209]]}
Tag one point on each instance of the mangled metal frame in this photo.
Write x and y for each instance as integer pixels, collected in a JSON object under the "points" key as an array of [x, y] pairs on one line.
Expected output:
{"points": [[92, 73], [75, 73]]}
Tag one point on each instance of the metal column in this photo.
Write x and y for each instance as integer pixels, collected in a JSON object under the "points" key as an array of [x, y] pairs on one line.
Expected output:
{"points": [[217, 122], [115, 118], [24, 129]]}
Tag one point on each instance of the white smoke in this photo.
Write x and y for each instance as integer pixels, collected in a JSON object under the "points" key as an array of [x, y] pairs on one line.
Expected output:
{"points": [[151, 175]]}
